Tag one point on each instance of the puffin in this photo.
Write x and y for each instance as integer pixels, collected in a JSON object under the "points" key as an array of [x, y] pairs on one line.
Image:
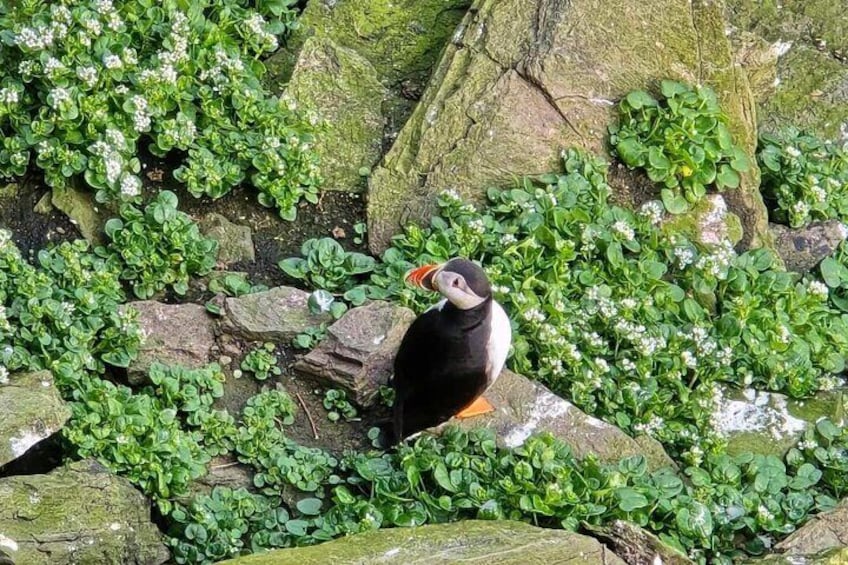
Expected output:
{"points": [[452, 353]]}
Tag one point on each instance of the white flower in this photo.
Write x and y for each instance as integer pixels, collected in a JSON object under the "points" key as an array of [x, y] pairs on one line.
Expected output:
{"points": [[623, 229], [807, 444], [792, 151], [507, 239], [116, 138], [684, 256], [9, 96], [112, 61], [130, 186], [689, 359], [801, 209], [817, 288], [763, 513], [88, 75], [59, 95], [653, 211], [602, 365], [534, 315], [52, 65]]}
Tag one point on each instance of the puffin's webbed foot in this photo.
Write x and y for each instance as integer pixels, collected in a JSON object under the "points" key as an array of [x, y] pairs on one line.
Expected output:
{"points": [[477, 408]]}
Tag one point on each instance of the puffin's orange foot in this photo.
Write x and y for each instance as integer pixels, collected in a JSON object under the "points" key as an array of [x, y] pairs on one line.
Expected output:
{"points": [[476, 408]]}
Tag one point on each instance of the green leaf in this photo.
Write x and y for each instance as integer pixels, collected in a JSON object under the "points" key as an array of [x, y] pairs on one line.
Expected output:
{"points": [[309, 506], [629, 499], [639, 99], [832, 272], [727, 177], [674, 203]]}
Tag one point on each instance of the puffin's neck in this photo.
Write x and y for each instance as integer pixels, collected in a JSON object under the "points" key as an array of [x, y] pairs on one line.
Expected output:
{"points": [[468, 319]]}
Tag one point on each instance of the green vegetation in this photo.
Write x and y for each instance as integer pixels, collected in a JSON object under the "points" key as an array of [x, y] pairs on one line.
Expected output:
{"points": [[160, 247], [635, 325], [804, 177], [262, 362], [326, 265], [682, 141], [338, 406], [83, 85]]}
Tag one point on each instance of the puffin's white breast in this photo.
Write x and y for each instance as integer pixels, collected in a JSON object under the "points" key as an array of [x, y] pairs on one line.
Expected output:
{"points": [[500, 339]]}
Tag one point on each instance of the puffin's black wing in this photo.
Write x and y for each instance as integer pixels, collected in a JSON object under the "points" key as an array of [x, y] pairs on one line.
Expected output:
{"points": [[435, 374]]}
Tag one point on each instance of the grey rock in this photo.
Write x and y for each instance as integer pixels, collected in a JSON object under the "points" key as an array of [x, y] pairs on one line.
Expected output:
{"points": [[468, 541], [636, 545], [173, 334], [32, 410], [823, 532], [524, 407], [770, 423], [80, 513], [803, 249], [235, 242], [277, 315], [359, 350]]}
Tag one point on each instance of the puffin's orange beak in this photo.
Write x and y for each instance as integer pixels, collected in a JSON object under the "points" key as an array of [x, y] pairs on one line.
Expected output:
{"points": [[423, 276]]}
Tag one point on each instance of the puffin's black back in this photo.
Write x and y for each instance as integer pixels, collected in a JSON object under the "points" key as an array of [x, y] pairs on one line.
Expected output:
{"points": [[440, 366]]}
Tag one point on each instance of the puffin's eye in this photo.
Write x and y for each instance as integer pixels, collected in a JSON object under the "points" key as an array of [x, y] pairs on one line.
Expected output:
{"points": [[455, 282]]}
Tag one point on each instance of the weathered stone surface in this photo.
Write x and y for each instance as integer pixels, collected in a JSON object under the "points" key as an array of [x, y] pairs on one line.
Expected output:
{"points": [[235, 242], [524, 79], [174, 334], [277, 314], [77, 514], [830, 557], [84, 212], [709, 222], [803, 249], [400, 38], [635, 545], [823, 532], [342, 87], [524, 407], [770, 423], [359, 350], [469, 541], [797, 54], [32, 410]]}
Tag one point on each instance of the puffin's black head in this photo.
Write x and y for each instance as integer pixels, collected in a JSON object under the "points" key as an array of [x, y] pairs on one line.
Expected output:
{"points": [[459, 280]]}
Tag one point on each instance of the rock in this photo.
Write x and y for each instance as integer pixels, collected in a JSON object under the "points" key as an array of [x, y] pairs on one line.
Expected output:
{"points": [[225, 471], [821, 533], [564, 65], [770, 423], [173, 334], [709, 222], [803, 249], [636, 545], [359, 350], [81, 513], [524, 407], [85, 213], [401, 39], [32, 411], [342, 87], [277, 315], [358, 63], [472, 541], [829, 557], [798, 54], [9, 190], [44, 206], [235, 242]]}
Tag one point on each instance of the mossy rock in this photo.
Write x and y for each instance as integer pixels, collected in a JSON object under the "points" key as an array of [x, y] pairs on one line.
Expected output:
{"points": [[80, 513], [708, 222], [770, 423], [471, 541], [343, 88], [32, 411], [796, 52], [84, 212], [566, 79]]}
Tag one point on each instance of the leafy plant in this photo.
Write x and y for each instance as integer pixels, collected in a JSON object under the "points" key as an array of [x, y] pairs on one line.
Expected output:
{"points": [[158, 247], [137, 437], [190, 392], [682, 141], [326, 265], [804, 178], [84, 83], [309, 338], [823, 451], [337, 405], [261, 362], [234, 284]]}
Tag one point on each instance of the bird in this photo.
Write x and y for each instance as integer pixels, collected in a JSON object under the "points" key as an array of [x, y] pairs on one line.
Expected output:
{"points": [[451, 353]]}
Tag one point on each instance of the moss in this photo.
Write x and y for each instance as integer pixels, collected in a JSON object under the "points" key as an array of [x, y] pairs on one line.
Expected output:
{"points": [[492, 542], [811, 94], [707, 222], [343, 88]]}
